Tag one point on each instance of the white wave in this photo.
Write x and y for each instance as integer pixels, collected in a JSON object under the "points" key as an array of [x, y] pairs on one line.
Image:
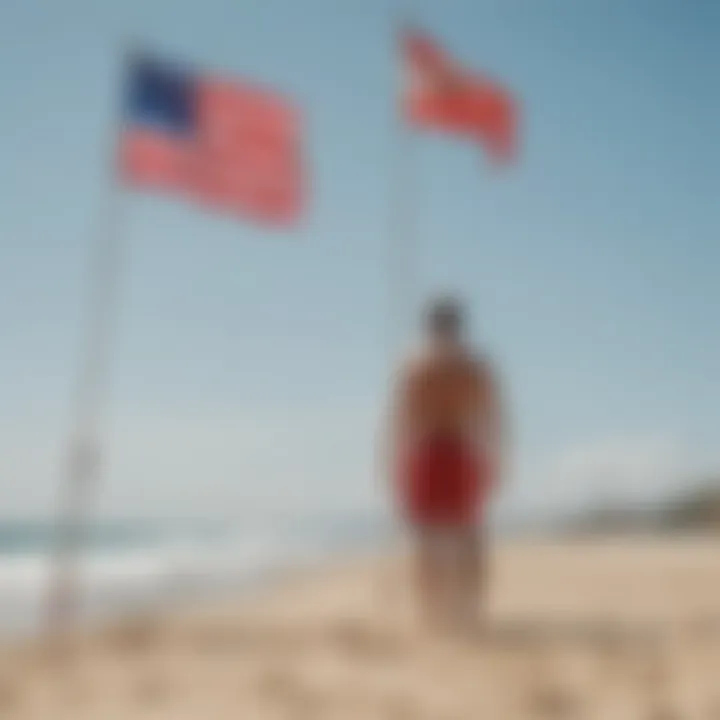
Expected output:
{"points": [[120, 579]]}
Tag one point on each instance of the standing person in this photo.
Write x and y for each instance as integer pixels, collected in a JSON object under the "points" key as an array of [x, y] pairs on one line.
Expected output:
{"points": [[445, 443]]}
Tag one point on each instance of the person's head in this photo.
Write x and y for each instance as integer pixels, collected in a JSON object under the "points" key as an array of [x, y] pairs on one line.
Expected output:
{"points": [[444, 319]]}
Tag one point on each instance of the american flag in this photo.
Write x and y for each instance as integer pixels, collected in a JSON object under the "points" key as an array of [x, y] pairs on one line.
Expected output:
{"points": [[232, 146]]}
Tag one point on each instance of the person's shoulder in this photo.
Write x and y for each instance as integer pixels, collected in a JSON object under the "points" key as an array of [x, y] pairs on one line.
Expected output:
{"points": [[415, 360], [415, 364], [475, 356], [480, 362]]}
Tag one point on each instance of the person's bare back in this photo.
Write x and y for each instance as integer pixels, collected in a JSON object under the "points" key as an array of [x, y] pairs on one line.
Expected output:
{"points": [[447, 389]]}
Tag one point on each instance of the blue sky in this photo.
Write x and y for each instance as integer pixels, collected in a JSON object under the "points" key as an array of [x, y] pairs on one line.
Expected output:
{"points": [[249, 366]]}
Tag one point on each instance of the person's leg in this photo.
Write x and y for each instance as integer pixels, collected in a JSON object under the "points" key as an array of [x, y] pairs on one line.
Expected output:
{"points": [[471, 566], [469, 578], [428, 576]]}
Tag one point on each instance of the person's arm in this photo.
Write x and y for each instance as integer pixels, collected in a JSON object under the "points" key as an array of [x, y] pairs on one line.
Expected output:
{"points": [[495, 419], [396, 425]]}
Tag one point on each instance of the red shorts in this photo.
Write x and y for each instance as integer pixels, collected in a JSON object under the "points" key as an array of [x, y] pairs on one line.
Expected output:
{"points": [[444, 482]]}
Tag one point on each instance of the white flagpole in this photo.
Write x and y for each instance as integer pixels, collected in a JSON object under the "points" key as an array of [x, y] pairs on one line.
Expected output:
{"points": [[402, 244], [402, 275], [83, 469]]}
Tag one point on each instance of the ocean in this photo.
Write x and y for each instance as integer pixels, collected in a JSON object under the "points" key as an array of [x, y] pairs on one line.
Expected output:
{"points": [[132, 566]]}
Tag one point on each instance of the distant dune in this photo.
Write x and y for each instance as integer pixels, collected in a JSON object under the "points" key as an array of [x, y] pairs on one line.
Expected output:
{"points": [[693, 510]]}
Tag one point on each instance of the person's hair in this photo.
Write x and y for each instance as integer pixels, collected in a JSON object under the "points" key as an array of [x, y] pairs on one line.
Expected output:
{"points": [[445, 317]]}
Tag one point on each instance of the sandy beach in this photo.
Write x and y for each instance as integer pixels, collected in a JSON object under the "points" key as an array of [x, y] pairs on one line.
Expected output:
{"points": [[596, 629]]}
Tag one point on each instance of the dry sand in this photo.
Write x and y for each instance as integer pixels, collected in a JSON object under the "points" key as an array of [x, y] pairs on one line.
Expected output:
{"points": [[613, 629]]}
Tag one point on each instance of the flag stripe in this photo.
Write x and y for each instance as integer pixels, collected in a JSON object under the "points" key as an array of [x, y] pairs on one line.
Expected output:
{"points": [[225, 144]]}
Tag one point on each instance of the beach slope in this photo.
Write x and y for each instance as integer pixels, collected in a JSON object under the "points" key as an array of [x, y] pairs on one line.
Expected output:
{"points": [[594, 629]]}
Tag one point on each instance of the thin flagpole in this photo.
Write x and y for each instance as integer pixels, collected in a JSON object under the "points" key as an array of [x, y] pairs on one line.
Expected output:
{"points": [[402, 277], [83, 461], [402, 244]]}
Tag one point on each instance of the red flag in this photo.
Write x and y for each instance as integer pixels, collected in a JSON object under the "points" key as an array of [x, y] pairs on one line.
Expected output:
{"points": [[440, 95], [231, 146]]}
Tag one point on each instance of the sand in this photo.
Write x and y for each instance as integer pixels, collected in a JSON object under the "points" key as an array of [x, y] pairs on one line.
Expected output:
{"points": [[603, 629]]}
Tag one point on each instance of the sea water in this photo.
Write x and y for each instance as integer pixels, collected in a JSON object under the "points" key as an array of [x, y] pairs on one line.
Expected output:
{"points": [[129, 566]]}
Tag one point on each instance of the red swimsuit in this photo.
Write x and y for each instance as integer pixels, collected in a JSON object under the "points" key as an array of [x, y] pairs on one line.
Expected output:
{"points": [[444, 482]]}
